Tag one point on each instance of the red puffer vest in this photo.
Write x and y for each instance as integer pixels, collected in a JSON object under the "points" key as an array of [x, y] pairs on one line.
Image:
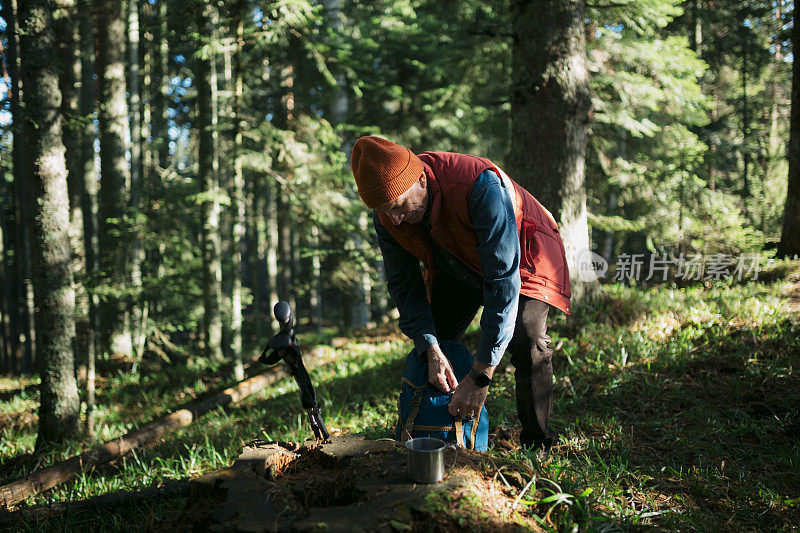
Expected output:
{"points": [[543, 265]]}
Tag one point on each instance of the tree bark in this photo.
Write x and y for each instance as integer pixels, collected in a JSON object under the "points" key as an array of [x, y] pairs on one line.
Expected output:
{"points": [[138, 305], [256, 231], [55, 298], [114, 173], [745, 192], [161, 85], [209, 189], [7, 226], [237, 198], [24, 332], [696, 28], [71, 85], [270, 217], [790, 236], [550, 104], [88, 194]]}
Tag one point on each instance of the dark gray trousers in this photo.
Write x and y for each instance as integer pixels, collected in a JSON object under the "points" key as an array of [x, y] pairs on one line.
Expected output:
{"points": [[454, 306]]}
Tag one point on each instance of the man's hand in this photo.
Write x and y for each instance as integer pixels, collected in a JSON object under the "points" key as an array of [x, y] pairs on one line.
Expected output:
{"points": [[468, 398], [440, 371]]}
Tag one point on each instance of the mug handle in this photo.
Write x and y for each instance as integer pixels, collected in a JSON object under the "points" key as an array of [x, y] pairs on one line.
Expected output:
{"points": [[455, 454]]}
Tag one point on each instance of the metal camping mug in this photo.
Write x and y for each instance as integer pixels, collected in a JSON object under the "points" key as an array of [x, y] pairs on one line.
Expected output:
{"points": [[425, 459]]}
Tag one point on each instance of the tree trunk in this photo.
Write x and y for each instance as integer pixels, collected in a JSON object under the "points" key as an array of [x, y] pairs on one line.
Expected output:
{"points": [[775, 145], [9, 280], [285, 252], [256, 244], [88, 195], [696, 28], [745, 130], [5, 301], [59, 409], [790, 237], [65, 19], [270, 218], [138, 305], [209, 190], [160, 93], [550, 105], [24, 332], [316, 281], [114, 172], [237, 200]]}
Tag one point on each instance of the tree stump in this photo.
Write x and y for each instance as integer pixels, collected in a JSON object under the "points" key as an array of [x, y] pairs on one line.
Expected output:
{"points": [[349, 485]]}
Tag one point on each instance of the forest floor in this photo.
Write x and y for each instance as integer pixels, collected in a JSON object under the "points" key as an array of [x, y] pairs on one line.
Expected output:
{"points": [[677, 408]]}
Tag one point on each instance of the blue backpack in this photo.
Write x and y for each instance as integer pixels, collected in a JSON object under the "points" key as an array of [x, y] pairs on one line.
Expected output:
{"points": [[423, 408]]}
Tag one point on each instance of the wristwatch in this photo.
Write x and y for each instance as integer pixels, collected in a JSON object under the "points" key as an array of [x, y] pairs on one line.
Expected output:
{"points": [[481, 379]]}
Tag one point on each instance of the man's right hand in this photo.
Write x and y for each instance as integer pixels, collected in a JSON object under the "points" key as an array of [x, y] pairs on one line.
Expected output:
{"points": [[440, 371]]}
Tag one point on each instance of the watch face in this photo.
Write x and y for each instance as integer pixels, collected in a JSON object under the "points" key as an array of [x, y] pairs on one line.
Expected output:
{"points": [[482, 380]]}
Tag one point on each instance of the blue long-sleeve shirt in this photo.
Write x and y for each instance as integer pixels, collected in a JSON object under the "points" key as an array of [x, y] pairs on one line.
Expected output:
{"points": [[492, 216]]}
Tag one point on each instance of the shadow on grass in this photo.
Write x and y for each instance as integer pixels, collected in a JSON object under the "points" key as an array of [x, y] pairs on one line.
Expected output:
{"points": [[711, 430]]}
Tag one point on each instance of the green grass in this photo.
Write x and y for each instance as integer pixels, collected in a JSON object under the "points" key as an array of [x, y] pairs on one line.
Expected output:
{"points": [[676, 408]]}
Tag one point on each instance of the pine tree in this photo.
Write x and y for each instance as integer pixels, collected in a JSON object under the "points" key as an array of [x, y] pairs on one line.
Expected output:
{"points": [[114, 173], [550, 106], [55, 297], [790, 238]]}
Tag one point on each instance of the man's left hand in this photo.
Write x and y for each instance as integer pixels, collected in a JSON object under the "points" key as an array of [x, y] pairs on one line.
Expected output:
{"points": [[467, 399]]}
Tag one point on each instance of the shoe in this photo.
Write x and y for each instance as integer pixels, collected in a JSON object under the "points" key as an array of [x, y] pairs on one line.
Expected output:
{"points": [[529, 442]]}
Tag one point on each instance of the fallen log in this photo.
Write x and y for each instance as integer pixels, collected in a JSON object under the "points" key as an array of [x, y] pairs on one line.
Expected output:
{"points": [[113, 499], [47, 478]]}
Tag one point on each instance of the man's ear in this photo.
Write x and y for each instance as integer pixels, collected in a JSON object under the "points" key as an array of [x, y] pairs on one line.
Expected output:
{"points": [[423, 181]]}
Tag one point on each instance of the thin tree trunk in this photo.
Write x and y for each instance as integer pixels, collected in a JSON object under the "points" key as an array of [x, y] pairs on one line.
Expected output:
{"points": [[160, 93], [88, 195], [114, 172], [282, 200], [237, 200], [745, 130], [696, 28], [6, 261], [316, 281], [257, 242], [160, 119], [25, 332], [712, 146], [59, 409], [70, 80], [138, 305], [5, 302], [286, 257], [270, 218], [550, 105], [774, 146], [225, 103], [790, 236], [209, 189], [360, 299]]}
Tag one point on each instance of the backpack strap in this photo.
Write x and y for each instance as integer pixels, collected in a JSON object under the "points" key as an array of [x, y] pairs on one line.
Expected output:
{"points": [[432, 428], [459, 433], [416, 401], [474, 429]]}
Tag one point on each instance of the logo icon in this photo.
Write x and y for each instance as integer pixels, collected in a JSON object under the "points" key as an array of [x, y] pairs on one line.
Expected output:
{"points": [[591, 266]]}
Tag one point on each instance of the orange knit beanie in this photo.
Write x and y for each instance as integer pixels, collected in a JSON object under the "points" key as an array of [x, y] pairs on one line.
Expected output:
{"points": [[383, 170]]}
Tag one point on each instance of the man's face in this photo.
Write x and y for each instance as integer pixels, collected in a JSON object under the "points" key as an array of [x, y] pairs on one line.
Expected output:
{"points": [[410, 206]]}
